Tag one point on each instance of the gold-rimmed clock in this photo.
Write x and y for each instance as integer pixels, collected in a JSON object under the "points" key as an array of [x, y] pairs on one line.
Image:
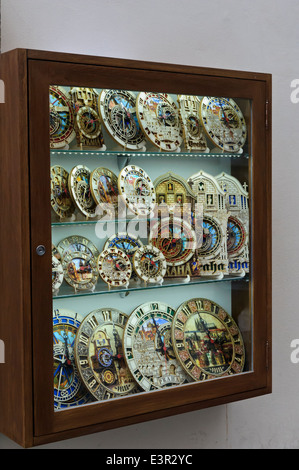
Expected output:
{"points": [[79, 187], [61, 201], [159, 119], [194, 135], [62, 120]]}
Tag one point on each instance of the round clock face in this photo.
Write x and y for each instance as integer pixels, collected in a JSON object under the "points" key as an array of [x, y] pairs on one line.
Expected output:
{"points": [[61, 118], [118, 111], [79, 185], [235, 235], [68, 387], [149, 264], [104, 187], [61, 200], [137, 189], [88, 122], [125, 242], [224, 123], [99, 354], [80, 270], [114, 267], [212, 237], [79, 244], [206, 340], [159, 120], [175, 238], [148, 347], [57, 273]]}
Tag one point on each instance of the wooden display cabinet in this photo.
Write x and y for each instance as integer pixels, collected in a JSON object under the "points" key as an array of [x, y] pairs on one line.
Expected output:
{"points": [[27, 413]]}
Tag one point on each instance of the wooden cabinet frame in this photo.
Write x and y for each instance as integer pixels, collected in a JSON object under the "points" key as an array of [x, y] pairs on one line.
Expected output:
{"points": [[26, 388]]}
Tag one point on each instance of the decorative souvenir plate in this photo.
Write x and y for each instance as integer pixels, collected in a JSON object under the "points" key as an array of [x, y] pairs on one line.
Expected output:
{"points": [[224, 123], [99, 354], [137, 190], [159, 119], [206, 340], [118, 112], [148, 347], [68, 388], [61, 118], [61, 200]]}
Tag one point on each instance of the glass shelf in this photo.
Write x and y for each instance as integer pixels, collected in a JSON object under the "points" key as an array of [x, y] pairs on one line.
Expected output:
{"points": [[67, 291], [146, 154]]}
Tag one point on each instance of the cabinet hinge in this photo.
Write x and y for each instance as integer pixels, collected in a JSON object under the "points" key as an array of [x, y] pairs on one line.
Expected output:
{"points": [[267, 115]]}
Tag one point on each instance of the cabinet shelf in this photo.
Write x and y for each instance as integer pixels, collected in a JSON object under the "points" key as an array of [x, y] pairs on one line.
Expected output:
{"points": [[67, 291], [147, 154]]}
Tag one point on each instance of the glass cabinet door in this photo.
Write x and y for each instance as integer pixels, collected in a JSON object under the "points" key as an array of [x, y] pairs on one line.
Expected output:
{"points": [[151, 241]]}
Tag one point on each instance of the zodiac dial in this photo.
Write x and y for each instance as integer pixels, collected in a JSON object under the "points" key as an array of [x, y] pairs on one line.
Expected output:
{"points": [[68, 387], [118, 112], [175, 238], [61, 118], [99, 354]]}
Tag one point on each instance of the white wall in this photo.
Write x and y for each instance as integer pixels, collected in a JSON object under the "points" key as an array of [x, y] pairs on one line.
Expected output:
{"points": [[261, 36]]}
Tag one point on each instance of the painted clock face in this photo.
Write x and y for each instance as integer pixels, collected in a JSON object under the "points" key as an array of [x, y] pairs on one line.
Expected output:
{"points": [[118, 112], [99, 354], [57, 274], [79, 186], [211, 237], [137, 189], [61, 200], [194, 136], [104, 187], [68, 387], [206, 340], [224, 123], [175, 238], [114, 267], [235, 235], [148, 347], [79, 244], [149, 264], [61, 118], [159, 120], [80, 270]]}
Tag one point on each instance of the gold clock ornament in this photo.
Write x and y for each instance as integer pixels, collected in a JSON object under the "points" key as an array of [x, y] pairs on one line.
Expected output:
{"points": [[149, 264], [61, 118], [99, 354], [175, 238], [79, 244], [61, 201], [57, 274], [224, 123], [114, 267], [69, 389], [159, 119], [79, 187], [104, 189], [194, 135], [118, 112], [148, 347], [137, 190], [80, 270], [207, 340], [87, 120]]}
